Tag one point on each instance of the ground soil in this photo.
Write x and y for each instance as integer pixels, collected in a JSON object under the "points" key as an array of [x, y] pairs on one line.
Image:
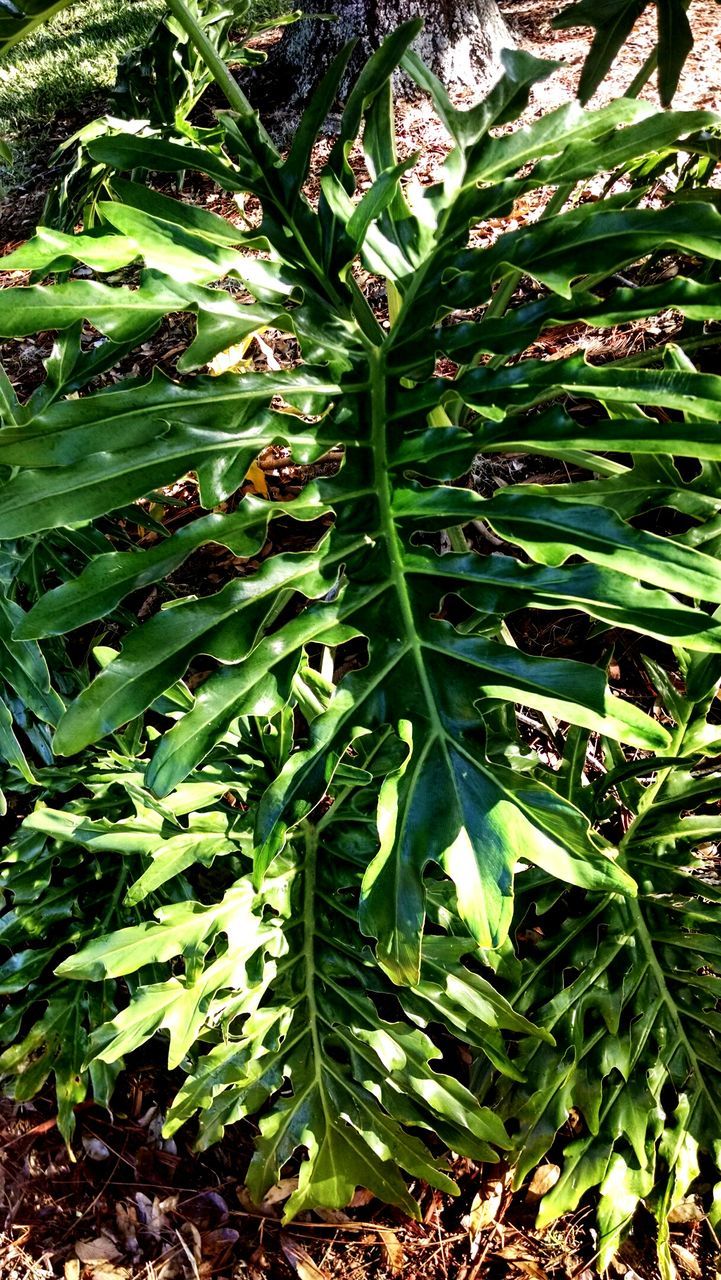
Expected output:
{"points": [[128, 1206]]}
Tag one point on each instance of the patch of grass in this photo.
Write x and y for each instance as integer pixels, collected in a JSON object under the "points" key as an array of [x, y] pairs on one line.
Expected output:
{"points": [[65, 69], [265, 9], [58, 78]]}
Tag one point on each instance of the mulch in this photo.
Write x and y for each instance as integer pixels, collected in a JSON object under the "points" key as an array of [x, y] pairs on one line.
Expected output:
{"points": [[127, 1205], [132, 1207]]}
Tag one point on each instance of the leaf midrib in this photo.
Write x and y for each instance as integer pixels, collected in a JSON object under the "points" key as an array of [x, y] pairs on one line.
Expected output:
{"points": [[644, 935], [383, 489]]}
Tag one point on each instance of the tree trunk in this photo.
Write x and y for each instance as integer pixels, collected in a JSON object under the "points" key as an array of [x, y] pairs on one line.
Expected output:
{"points": [[461, 42]]}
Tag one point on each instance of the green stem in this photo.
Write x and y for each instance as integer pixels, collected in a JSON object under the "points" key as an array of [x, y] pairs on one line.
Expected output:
{"points": [[501, 298], [310, 876], [115, 900], [387, 524], [656, 353], [642, 77], [457, 539], [395, 301], [346, 794], [500, 301], [641, 932], [215, 64], [240, 104], [652, 791], [558, 199]]}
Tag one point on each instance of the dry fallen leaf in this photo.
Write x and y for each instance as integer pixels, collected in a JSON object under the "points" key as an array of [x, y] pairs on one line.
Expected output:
{"points": [[545, 1177], [484, 1213], [393, 1250], [126, 1219], [618, 1267], [207, 1210], [151, 1214], [519, 1258], [278, 1194], [72, 1269], [190, 1242], [257, 480], [95, 1149], [687, 1210], [300, 1260], [103, 1249], [336, 1217], [485, 1208], [268, 352], [529, 1268], [172, 1265], [361, 1198], [217, 1246], [686, 1260]]}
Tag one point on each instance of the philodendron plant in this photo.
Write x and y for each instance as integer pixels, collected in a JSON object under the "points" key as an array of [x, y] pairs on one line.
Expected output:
{"points": [[157, 90], [339, 729]]}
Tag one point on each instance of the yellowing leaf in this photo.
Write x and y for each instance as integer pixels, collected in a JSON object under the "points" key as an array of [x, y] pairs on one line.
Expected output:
{"points": [[545, 1177], [257, 479], [234, 360]]}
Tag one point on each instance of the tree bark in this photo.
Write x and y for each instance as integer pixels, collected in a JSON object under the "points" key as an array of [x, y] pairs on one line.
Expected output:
{"points": [[461, 42]]}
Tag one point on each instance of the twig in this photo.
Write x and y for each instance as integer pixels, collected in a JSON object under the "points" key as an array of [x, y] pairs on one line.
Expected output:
{"points": [[189, 1255]]}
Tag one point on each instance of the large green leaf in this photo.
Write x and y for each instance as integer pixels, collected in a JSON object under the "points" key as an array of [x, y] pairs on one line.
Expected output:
{"points": [[124, 314], [613, 23], [641, 980], [359, 1078], [108, 578], [365, 628], [420, 671]]}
